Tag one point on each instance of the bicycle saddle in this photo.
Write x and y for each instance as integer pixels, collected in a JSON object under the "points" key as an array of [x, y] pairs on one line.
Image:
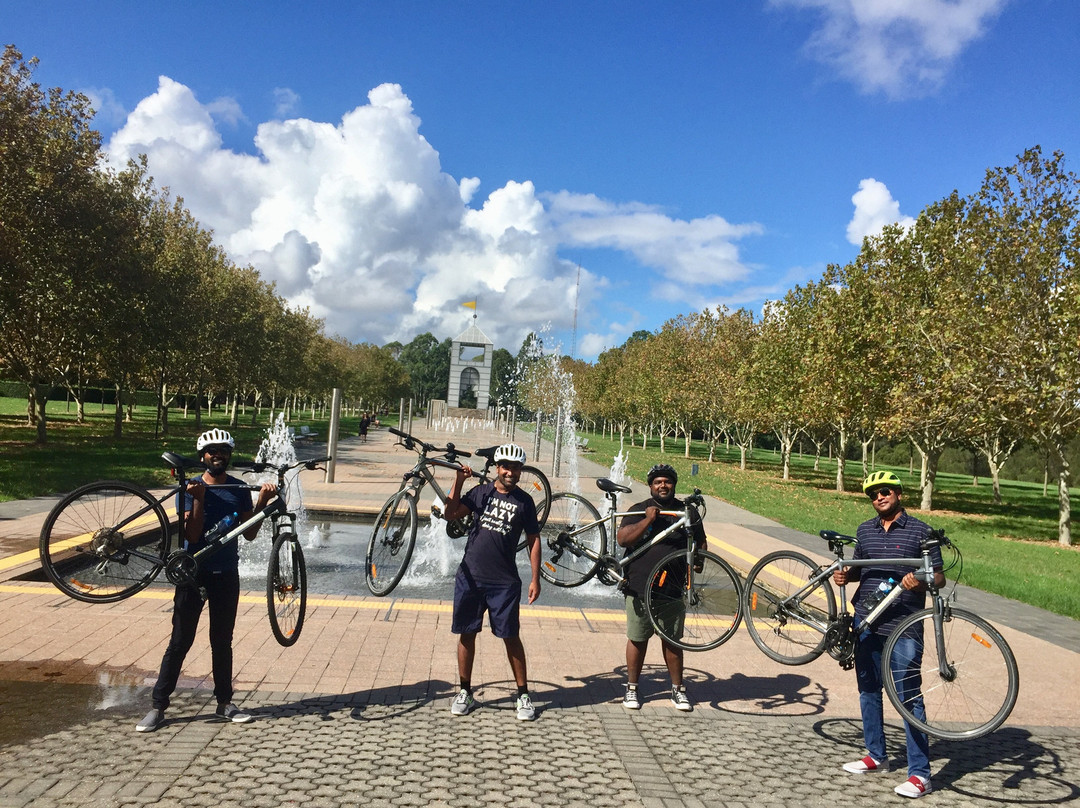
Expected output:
{"points": [[179, 462], [606, 485], [488, 453]]}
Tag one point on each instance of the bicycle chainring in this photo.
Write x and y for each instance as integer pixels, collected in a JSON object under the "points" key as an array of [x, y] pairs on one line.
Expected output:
{"points": [[605, 568], [840, 641], [180, 568], [458, 527]]}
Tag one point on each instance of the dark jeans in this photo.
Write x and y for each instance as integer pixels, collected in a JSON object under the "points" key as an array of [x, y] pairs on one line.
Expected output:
{"points": [[223, 594]]}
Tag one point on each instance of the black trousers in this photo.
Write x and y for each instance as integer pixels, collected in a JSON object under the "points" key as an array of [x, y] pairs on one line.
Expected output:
{"points": [[223, 594]]}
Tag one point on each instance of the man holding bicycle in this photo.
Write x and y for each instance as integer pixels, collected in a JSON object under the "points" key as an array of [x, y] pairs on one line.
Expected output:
{"points": [[640, 528], [488, 579], [890, 534], [208, 500]]}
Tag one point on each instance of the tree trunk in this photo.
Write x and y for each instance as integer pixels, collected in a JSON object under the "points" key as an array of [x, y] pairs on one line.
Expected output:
{"points": [[930, 464], [1064, 504], [41, 397], [118, 411], [841, 456]]}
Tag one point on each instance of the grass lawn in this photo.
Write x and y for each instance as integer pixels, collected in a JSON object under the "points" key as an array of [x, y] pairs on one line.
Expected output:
{"points": [[1009, 549]]}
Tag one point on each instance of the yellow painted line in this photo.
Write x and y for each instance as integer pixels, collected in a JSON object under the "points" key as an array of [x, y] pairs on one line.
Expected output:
{"points": [[19, 559]]}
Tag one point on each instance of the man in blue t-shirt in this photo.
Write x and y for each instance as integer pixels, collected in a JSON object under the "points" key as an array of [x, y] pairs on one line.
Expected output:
{"points": [[890, 534], [488, 579], [208, 499]]}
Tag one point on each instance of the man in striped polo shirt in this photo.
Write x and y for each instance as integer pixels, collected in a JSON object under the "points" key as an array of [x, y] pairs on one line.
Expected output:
{"points": [[892, 533]]}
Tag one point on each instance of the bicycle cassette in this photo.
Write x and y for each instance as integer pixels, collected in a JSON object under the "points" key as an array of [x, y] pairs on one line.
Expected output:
{"points": [[840, 642]]}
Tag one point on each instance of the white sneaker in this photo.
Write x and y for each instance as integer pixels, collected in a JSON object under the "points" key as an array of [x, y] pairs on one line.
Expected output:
{"points": [[630, 699], [680, 699], [914, 786], [525, 709], [463, 703], [864, 766]]}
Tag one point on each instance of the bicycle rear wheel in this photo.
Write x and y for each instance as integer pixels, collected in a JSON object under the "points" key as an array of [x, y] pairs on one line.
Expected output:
{"points": [[567, 560], [286, 588], [535, 483], [960, 688], [694, 610], [391, 545], [786, 617], [104, 542]]}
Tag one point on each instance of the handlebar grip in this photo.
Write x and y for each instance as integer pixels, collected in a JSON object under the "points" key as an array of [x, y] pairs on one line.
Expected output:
{"points": [[398, 432]]}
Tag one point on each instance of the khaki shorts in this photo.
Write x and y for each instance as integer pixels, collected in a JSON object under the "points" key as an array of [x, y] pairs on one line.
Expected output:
{"points": [[639, 627]]}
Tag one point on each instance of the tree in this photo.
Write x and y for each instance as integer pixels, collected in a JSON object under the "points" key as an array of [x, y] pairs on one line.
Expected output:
{"points": [[427, 361]]}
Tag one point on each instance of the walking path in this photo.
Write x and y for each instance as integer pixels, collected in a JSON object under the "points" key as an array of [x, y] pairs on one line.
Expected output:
{"points": [[357, 712]]}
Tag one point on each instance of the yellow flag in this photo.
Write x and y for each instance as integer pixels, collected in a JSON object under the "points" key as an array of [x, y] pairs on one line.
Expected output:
{"points": [[470, 305]]}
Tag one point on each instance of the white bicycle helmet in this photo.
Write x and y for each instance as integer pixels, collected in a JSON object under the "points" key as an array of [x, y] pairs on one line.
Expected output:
{"points": [[214, 436], [509, 453]]}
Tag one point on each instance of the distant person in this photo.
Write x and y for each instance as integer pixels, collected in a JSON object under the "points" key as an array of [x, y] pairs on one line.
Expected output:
{"points": [[890, 534], [208, 500], [635, 530], [487, 579], [365, 422]]}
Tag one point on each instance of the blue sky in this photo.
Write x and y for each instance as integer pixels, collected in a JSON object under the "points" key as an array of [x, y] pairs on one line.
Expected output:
{"points": [[385, 162]]}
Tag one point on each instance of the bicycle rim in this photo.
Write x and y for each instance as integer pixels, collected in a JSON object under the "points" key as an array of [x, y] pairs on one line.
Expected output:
{"points": [[563, 559], [391, 544], [964, 694], [104, 542], [694, 610], [286, 589], [785, 622]]}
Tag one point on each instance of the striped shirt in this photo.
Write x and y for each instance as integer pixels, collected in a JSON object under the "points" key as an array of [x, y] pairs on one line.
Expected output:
{"points": [[902, 540]]}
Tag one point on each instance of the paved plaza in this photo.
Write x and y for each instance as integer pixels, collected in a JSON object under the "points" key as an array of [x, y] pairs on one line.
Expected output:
{"points": [[357, 712]]}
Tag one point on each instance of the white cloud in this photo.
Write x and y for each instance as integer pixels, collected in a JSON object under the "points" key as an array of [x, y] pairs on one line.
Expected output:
{"points": [[109, 112], [899, 47], [286, 102], [874, 208], [358, 221]]}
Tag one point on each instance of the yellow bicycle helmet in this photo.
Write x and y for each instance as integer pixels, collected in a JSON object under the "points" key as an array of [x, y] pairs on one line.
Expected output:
{"points": [[881, 478]]}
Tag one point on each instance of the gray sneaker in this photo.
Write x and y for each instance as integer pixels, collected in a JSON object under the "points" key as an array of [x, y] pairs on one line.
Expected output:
{"points": [[525, 709], [680, 699], [463, 703], [230, 712], [154, 719]]}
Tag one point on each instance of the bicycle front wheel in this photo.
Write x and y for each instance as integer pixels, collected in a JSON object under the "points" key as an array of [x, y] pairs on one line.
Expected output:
{"points": [[568, 557], [104, 542], [535, 483], [786, 615], [391, 545], [960, 685], [286, 589], [694, 609]]}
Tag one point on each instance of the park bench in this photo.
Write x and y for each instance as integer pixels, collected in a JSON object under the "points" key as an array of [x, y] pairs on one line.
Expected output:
{"points": [[304, 434]]}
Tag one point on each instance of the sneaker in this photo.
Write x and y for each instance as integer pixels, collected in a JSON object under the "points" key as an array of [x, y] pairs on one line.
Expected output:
{"points": [[230, 712], [630, 700], [914, 786], [463, 703], [154, 719], [867, 764], [525, 709], [680, 699]]}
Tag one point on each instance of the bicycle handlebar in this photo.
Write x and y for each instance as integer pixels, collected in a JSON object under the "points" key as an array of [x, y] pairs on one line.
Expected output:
{"points": [[410, 443], [934, 538]]}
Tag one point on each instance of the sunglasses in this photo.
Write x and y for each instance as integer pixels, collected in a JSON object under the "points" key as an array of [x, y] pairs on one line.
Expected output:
{"points": [[218, 449], [884, 491]]}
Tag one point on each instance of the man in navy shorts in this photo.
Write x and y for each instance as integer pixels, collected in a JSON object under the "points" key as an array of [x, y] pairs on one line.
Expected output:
{"points": [[488, 578]]}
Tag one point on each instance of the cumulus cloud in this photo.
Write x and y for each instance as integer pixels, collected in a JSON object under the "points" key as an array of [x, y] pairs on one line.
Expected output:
{"points": [[900, 47], [357, 221], [874, 208], [286, 102]]}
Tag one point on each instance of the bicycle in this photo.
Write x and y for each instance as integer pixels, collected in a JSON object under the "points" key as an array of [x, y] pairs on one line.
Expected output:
{"points": [[393, 538], [107, 540], [693, 592], [967, 675]]}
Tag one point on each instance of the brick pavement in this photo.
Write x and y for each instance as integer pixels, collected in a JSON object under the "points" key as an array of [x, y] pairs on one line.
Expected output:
{"points": [[357, 711]]}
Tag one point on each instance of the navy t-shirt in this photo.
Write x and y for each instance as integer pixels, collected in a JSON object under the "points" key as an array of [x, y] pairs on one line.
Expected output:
{"points": [[221, 501], [638, 572], [498, 522], [902, 540]]}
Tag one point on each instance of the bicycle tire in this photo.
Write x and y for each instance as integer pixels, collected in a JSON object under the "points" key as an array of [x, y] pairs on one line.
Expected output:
{"points": [[562, 559], [699, 616], [391, 544], [984, 683], [104, 541], [286, 589], [535, 483], [790, 632]]}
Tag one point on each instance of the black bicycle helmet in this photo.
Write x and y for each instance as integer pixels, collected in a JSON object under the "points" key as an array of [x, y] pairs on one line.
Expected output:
{"points": [[663, 470]]}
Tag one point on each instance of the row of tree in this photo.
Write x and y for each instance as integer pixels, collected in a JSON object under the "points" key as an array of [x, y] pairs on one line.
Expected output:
{"points": [[105, 279], [963, 329]]}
